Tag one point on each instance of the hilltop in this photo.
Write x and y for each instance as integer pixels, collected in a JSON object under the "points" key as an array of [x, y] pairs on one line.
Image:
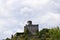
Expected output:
{"points": [[31, 32]]}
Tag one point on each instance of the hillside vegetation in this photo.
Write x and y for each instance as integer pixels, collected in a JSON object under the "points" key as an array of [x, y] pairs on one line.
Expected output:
{"points": [[44, 34]]}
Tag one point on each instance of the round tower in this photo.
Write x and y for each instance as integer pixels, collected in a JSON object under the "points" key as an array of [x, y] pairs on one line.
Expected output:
{"points": [[29, 22]]}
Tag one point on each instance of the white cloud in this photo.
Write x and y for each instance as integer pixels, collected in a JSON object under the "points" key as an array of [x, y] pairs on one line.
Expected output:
{"points": [[50, 19], [25, 10], [34, 3], [15, 13]]}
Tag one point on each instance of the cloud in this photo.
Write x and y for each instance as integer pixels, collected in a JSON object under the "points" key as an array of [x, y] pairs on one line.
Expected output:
{"points": [[15, 13], [34, 3]]}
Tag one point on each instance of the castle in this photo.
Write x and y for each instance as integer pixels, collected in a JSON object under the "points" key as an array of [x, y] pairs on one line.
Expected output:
{"points": [[32, 28], [31, 32]]}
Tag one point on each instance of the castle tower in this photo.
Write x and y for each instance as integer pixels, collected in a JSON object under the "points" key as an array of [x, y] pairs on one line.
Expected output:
{"points": [[32, 28]]}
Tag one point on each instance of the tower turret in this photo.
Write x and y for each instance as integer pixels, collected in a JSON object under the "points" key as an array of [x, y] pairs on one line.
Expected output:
{"points": [[29, 22]]}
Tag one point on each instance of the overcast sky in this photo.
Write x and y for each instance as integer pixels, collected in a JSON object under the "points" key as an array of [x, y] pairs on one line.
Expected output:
{"points": [[15, 13]]}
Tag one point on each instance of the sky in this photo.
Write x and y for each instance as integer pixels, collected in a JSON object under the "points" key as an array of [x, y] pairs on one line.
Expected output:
{"points": [[15, 13]]}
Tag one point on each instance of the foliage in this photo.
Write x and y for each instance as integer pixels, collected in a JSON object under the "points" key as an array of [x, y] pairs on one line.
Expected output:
{"points": [[44, 34], [55, 33], [7, 38]]}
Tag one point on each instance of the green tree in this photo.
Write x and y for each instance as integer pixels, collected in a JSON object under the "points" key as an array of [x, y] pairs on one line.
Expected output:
{"points": [[55, 33], [26, 32], [7, 38], [44, 33]]}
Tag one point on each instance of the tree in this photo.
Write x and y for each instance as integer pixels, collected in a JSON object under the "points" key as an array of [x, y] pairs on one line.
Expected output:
{"points": [[44, 33], [26, 31], [55, 33], [7, 38]]}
